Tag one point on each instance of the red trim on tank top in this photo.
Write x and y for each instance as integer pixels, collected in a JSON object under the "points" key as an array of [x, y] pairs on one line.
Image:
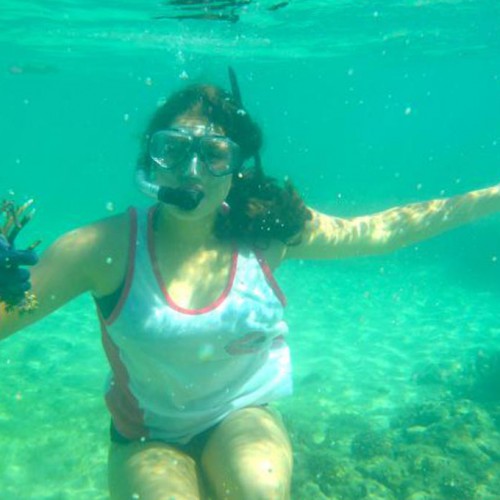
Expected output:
{"points": [[130, 267], [269, 276], [156, 269], [124, 407]]}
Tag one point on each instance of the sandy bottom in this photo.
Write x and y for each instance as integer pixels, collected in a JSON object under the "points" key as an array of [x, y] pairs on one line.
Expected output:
{"points": [[397, 389]]}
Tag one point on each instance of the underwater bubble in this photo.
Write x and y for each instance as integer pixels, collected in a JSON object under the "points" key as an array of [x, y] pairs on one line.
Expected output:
{"points": [[205, 352], [110, 206], [183, 75], [126, 117], [148, 81], [180, 56], [109, 260], [408, 111]]}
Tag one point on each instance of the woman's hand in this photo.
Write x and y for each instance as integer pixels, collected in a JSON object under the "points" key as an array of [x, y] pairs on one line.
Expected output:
{"points": [[14, 280]]}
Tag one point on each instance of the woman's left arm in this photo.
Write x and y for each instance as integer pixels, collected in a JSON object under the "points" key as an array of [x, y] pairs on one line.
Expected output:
{"points": [[328, 237]]}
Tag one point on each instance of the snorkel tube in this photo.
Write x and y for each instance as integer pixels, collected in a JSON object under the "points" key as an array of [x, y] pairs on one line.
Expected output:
{"points": [[235, 90], [186, 199]]}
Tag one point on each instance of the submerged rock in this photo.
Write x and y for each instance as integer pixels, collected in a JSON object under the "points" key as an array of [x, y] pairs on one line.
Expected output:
{"points": [[369, 444]]}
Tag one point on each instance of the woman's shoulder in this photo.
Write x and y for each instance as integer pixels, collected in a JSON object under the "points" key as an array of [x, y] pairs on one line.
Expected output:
{"points": [[106, 231], [101, 246], [273, 253], [114, 224]]}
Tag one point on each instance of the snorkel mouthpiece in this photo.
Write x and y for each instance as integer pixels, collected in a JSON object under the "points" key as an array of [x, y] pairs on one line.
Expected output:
{"points": [[186, 199]]}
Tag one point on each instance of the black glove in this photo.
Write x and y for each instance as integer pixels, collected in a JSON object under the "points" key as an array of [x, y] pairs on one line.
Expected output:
{"points": [[14, 280]]}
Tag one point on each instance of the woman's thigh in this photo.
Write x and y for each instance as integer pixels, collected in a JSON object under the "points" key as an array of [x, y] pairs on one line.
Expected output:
{"points": [[249, 456], [151, 471]]}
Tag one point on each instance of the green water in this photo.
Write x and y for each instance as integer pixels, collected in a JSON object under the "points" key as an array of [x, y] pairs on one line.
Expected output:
{"points": [[364, 105]]}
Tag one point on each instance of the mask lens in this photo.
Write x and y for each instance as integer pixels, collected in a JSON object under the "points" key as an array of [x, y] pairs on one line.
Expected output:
{"points": [[220, 154], [172, 148], [169, 148]]}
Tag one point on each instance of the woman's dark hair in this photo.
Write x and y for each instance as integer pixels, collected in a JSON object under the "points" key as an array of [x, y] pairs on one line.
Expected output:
{"points": [[260, 209]]}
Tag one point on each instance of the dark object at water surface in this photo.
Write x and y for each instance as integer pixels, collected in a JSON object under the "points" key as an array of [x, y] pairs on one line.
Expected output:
{"points": [[210, 10]]}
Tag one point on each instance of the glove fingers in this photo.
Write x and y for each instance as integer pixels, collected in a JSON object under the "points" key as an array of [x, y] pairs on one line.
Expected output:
{"points": [[14, 289], [11, 258], [10, 277], [12, 298], [17, 287], [26, 257], [13, 284]]}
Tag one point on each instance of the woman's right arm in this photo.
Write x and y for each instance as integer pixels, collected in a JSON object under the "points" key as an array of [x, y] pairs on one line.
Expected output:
{"points": [[86, 259]]}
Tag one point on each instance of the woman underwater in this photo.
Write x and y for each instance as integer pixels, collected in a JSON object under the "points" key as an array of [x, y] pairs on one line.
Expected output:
{"points": [[191, 317]]}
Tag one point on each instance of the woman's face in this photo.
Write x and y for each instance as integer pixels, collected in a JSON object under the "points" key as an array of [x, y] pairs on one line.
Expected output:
{"points": [[192, 172]]}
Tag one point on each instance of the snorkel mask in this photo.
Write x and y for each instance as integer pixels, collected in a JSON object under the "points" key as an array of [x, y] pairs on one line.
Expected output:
{"points": [[206, 147]]}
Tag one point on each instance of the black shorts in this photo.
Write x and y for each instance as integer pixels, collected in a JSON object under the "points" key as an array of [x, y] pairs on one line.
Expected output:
{"points": [[194, 447]]}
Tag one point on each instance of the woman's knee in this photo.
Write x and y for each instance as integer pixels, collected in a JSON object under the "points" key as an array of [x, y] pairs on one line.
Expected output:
{"points": [[261, 480], [151, 471], [249, 456]]}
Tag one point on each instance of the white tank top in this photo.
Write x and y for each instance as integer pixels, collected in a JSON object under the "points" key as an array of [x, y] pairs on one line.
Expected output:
{"points": [[176, 372]]}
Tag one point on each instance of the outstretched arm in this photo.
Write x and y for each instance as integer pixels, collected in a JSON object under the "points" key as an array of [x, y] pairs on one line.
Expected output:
{"points": [[328, 237]]}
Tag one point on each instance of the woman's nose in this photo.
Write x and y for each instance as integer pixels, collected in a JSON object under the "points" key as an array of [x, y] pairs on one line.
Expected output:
{"points": [[192, 167]]}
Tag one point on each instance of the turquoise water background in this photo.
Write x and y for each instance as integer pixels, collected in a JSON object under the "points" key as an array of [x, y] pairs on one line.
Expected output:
{"points": [[364, 105]]}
